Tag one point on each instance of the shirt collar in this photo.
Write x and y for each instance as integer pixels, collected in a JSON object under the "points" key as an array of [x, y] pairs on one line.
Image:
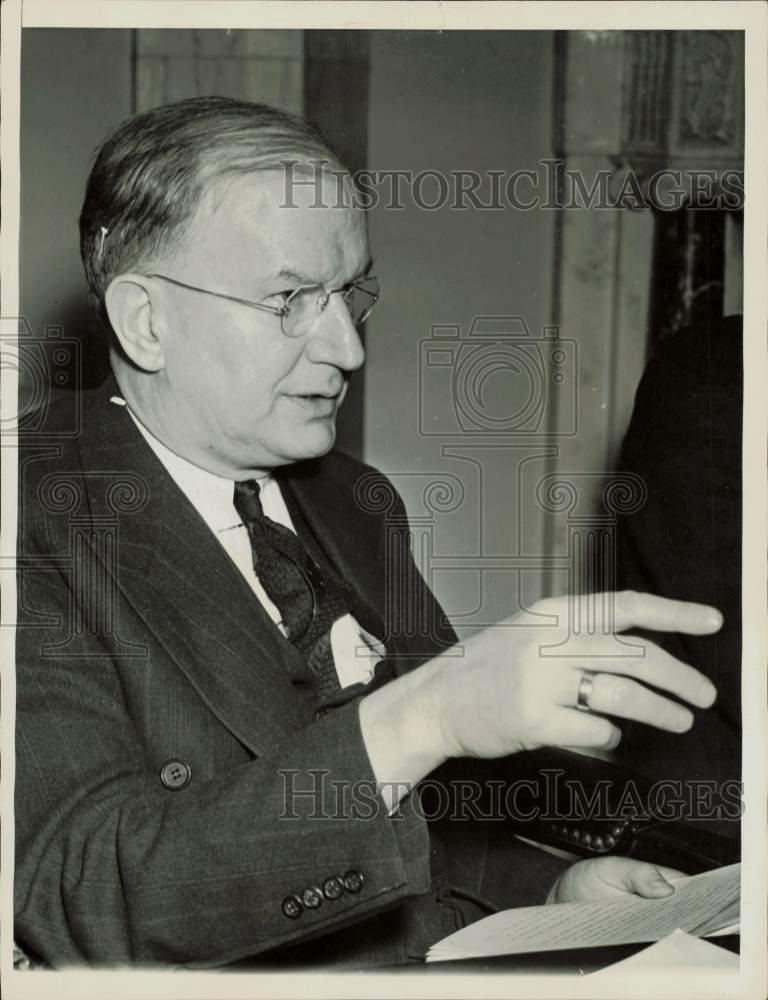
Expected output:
{"points": [[210, 495]]}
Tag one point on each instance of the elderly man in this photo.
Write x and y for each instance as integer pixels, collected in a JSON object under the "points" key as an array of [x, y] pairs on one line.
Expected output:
{"points": [[214, 650]]}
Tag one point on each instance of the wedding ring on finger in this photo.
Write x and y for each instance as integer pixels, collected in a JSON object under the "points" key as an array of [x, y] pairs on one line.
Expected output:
{"points": [[586, 686]]}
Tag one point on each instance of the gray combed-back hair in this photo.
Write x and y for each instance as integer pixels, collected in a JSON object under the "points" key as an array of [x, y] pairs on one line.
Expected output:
{"points": [[149, 174]]}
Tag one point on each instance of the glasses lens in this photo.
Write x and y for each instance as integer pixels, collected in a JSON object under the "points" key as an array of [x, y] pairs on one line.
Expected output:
{"points": [[361, 298], [305, 304], [302, 307]]}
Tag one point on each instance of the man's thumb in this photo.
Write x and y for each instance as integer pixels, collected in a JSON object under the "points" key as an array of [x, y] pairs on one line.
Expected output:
{"points": [[647, 880]]}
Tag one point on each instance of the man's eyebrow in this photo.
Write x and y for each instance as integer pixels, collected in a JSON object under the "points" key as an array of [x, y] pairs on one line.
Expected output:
{"points": [[364, 271], [367, 269], [299, 279], [285, 273]]}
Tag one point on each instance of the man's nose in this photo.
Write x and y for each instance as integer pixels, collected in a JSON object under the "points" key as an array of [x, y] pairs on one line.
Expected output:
{"points": [[334, 339]]}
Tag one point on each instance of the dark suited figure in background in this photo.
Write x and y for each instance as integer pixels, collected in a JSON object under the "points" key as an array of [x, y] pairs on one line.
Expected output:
{"points": [[684, 441], [230, 675]]}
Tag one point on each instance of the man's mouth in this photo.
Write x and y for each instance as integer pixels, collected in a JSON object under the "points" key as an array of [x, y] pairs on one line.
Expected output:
{"points": [[319, 403]]}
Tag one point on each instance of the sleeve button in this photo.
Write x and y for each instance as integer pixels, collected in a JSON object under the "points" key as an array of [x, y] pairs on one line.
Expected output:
{"points": [[333, 887], [292, 907], [311, 898], [353, 880]]}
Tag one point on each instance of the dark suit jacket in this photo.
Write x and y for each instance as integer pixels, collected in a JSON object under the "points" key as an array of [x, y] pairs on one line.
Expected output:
{"points": [[139, 643], [684, 440]]}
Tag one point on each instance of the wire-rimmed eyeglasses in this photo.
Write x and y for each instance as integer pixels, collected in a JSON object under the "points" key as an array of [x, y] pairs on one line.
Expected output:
{"points": [[302, 305]]}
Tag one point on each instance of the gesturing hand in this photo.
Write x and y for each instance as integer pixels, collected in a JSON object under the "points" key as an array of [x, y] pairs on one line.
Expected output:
{"points": [[509, 692], [610, 878]]}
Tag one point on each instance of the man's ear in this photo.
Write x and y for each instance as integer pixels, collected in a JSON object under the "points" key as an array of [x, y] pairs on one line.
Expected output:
{"points": [[129, 307]]}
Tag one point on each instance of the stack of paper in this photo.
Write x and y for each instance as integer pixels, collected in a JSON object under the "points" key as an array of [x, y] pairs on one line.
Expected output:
{"points": [[701, 905], [678, 952]]}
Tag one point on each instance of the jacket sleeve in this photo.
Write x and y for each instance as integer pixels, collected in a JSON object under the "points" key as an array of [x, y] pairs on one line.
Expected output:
{"points": [[113, 868]]}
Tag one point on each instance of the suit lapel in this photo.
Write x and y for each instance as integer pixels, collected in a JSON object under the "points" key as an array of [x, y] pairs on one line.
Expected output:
{"points": [[185, 588]]}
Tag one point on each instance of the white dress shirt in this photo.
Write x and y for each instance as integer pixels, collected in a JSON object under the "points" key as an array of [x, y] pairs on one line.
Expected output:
{"points": [[355, 651]]}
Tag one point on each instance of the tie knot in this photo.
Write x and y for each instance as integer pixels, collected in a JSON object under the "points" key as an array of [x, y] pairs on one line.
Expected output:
{"points": [[247, 501]]}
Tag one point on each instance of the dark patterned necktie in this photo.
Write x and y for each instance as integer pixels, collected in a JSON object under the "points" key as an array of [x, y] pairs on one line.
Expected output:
{"points": [[308, 599]]}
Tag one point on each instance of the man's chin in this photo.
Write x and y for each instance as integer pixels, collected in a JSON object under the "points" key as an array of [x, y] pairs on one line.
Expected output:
{"points": [[312, 444]]}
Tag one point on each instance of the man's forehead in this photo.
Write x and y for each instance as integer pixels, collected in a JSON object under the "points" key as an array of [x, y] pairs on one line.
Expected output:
{"points": [[254, 212], [284, 190]]}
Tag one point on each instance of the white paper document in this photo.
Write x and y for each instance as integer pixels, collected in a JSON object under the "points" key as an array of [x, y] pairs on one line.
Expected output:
{"points": [[701, 905], [679, 952]]}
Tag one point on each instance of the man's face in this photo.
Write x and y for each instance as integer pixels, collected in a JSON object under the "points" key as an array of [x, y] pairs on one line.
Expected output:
{"points": [[236, 394]]}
